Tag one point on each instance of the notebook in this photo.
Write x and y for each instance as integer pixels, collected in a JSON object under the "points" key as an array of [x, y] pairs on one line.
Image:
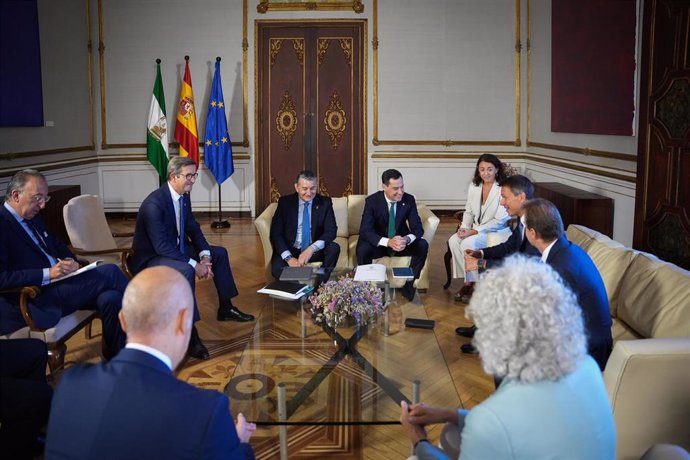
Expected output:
{"points": [[296, 273]]}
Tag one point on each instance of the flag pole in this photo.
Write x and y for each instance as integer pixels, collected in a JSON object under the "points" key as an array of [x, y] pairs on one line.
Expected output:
{"points": [[220, 223]]}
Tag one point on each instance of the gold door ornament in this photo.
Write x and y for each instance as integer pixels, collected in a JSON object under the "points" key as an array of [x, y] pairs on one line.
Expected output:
{"points": [[286, 120], [275, 48], [323, 47], [298, 45], [346, 45], [335, 120]]}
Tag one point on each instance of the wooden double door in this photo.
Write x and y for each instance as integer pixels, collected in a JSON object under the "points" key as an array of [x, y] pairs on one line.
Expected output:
{"points": [[662, 211], [311, 107]]}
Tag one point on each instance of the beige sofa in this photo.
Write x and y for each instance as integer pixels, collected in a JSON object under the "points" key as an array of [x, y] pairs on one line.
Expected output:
{"points": [[348, 215], [647, 375]]}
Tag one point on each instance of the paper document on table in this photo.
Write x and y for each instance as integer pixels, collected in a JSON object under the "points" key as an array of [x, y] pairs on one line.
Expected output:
{"points": [[370, 272], [286, 289], [83, 269]]}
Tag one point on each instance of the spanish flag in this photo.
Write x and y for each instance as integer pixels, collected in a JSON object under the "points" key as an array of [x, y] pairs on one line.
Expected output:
{"points": [[185, 125]]}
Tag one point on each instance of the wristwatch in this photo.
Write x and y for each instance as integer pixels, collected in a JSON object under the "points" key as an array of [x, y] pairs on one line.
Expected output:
{"points": [[287, 258]]}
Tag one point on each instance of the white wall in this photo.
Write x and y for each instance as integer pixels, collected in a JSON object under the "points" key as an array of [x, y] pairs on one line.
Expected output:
{"points": [[446, 71]]}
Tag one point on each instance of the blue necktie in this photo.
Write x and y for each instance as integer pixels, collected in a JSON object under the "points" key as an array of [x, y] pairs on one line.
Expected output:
{"points": [[306, 227], [182, 224]]}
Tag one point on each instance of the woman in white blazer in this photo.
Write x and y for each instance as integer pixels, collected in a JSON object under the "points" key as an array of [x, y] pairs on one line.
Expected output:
{"points": [[483, 215]]}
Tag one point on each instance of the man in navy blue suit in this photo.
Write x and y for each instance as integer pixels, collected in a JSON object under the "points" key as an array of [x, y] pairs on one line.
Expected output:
{"points": [[544, 229], [24, 397], [381, 236], [167, 233], [297, 241], [31, 255], [515, 191], [133, 407]]}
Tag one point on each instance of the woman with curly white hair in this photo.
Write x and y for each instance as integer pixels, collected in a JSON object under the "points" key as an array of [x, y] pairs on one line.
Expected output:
{"points": [[551, 403]]}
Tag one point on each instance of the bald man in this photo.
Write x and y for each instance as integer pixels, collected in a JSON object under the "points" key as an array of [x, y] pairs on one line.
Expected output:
{"points": [[133, 407]]}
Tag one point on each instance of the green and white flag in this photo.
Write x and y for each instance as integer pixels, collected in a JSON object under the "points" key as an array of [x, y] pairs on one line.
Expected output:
{"points": [[157, 133]]}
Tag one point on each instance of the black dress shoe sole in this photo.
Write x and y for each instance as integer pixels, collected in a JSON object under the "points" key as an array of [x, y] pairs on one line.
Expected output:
{"points": [[465, 331], [233, 316], [469, 349]]}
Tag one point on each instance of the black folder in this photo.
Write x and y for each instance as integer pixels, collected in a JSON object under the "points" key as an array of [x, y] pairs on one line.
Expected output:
{"points": [[420, 323]]}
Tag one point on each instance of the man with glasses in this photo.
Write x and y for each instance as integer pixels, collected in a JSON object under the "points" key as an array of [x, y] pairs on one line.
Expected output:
{"points": [[32, 255], [167, 234]]}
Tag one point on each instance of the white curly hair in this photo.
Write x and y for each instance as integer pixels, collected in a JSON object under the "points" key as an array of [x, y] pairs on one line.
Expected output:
{"points": [[529, 324]]}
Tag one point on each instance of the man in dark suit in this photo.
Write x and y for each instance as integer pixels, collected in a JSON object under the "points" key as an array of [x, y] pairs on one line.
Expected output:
{"points": [[297, 241], [544, 229], [31, 255], [515, 191], [24, 396], [133, 407], [381, 236], [166, 233]]}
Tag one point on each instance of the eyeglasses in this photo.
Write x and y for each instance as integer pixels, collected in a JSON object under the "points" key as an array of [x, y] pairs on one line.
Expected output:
{"points": [[189, 176], [40, 198]]}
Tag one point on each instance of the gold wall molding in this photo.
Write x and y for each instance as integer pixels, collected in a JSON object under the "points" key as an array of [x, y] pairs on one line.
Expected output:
{"points": [[610, 172], [102, 78], [9, 156], [586, 151], [449, 142], [265, 6]]}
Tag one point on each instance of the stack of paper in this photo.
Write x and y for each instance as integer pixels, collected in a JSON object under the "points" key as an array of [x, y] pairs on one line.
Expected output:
{"points": [[370, 272]]}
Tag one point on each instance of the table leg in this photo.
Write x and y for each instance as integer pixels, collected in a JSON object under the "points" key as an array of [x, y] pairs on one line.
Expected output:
{"points": [[282, 417], [415, 400]]}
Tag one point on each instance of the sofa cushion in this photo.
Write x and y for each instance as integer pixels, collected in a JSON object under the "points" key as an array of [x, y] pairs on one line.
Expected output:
{"points": [[579, 235], [340, 211], [612, 259], [621, 331], [655, 298], [344, 251], [355, 209]]}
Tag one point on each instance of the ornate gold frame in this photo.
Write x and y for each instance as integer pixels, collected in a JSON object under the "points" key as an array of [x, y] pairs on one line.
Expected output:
{"points": [[245, 74], [265, 5], [448, 142]]}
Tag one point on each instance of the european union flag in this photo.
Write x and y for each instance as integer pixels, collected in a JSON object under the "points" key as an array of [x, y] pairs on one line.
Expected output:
{"points": [[217, 148]]}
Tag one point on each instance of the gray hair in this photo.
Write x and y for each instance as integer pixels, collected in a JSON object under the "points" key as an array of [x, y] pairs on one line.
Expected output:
{"points": [[20, 179], [306, 175], [153, 298], [529, 324], [176, 163]]}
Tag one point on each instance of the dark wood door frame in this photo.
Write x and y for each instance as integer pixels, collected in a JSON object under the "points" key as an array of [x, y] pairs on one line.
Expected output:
{"points": [[311, 106]]}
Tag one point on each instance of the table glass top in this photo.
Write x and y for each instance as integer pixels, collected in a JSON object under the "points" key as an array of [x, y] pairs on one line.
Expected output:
{"points": [[349, 375]]}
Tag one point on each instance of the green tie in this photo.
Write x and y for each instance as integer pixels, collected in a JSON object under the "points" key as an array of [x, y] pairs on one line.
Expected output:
{"points": [[391, 225]]}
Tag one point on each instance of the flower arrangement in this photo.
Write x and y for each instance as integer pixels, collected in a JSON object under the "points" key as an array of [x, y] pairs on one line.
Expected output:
{"points": [[337, 300]]}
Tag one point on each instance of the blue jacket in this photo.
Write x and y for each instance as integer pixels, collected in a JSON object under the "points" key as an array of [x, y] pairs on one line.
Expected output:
{"points": [[567, 419], [133, 407]]}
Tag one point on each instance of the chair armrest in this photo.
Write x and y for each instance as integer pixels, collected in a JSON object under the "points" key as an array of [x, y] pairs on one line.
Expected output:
{"points": [[124, 254], [647, 382], [25, 294]]}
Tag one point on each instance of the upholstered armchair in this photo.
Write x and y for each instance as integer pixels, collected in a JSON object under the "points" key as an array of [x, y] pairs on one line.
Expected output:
{"points": [[91, 237], [54, 337]]}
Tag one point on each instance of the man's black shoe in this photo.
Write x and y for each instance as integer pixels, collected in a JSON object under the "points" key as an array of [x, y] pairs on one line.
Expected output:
{"points": [[232, 313], [468, 348], [408, 290], [196, 349], [466, 331]]}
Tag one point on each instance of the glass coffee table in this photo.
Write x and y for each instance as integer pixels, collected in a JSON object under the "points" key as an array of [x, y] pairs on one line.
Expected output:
{"points": [[294, 372]]}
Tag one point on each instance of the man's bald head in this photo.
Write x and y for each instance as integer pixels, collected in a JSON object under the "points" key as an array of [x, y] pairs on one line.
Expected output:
{"points": [[153, 299]]}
